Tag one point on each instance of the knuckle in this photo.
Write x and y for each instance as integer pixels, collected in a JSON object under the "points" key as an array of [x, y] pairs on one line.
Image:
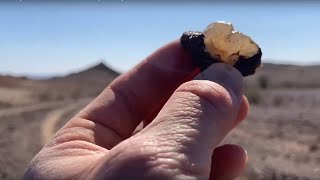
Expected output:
{"points": [[208, 93], [163, 161]]}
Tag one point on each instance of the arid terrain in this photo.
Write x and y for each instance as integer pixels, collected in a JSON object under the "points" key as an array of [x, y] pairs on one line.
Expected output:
{"points": [[281, 133]]}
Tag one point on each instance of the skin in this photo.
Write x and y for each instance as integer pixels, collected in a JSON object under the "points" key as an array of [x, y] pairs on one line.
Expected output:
{"points": [[183, 116]]}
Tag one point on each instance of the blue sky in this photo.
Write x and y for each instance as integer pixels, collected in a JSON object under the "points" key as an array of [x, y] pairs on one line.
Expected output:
{"points": [[48, 38]]}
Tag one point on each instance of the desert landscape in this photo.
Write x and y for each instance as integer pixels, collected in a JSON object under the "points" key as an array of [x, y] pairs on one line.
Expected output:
{"points": [[281, 133]]}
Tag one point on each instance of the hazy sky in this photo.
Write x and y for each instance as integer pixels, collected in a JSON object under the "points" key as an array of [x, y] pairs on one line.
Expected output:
{"points": [[48, 38]]}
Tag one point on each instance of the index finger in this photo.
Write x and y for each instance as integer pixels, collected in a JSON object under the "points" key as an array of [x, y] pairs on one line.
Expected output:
{"points": [[133, 96]]}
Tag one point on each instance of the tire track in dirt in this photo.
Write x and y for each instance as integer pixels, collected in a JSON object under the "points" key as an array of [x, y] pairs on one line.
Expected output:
{"points": [[32, 108], [49, 125]]}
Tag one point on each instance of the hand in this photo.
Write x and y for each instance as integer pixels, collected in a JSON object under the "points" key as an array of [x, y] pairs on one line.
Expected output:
{"points": [[184, 122]]}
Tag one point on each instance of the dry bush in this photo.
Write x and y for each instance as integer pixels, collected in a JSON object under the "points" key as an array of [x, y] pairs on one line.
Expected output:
{"points": [[44, 97], [278, 101], [269, 173], [76, 94], [263, 82], [313, 148], [254, 95], [5, 105]]}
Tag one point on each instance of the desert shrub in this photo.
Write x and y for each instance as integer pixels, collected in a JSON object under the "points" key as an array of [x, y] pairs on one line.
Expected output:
{"points": [[4, 104], [76, 94], [269, 173], [60, 97], [289, 85], [263, 82], [253, 95], [43, 97], [313, 148], [278, 100]]}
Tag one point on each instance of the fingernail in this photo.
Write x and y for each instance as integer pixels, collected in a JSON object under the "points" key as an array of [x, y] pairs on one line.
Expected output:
{"points": [[225, 75]]}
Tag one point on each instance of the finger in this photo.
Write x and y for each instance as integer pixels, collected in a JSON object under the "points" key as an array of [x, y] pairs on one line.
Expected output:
{"points": [[228, 162], [242, 114], [159, 106], [134, 95], [243, 111], [196, 118]]}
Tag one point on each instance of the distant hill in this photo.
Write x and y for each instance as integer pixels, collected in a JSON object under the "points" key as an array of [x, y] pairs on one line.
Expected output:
{"points": [[98, 73], [9, 81], [85, 83], [16, 91]]}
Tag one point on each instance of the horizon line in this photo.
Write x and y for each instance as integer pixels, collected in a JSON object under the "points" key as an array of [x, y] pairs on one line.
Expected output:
{"points": [[42, 75]]}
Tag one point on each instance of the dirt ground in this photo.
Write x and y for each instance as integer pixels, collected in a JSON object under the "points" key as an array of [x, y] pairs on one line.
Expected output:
{"points": [[281, 133]]}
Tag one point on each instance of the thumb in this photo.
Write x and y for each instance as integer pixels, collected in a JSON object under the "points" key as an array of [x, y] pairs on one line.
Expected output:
{"points": [[195, 119]]}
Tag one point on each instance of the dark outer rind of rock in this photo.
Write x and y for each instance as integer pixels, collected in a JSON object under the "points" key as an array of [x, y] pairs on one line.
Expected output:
{"points": [[249, 66], [193, 43]]}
